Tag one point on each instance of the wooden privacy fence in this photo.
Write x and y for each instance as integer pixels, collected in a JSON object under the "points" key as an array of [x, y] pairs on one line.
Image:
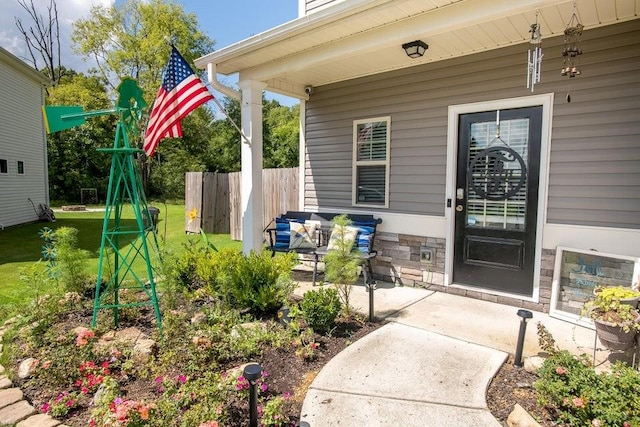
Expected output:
{"points": [[216, 199]]}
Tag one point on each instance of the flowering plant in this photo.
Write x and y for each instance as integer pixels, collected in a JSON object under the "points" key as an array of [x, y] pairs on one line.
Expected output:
{"points": [[273, 413], [128, 413], [615, 305], [91, 376], [61, 406]]}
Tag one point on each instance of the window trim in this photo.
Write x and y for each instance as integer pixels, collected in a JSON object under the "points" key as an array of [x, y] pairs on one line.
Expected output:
{"points": [[356, 163]]}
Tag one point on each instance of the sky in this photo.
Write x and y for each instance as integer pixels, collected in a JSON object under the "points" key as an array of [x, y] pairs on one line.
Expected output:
{"points": [[225, 21]]}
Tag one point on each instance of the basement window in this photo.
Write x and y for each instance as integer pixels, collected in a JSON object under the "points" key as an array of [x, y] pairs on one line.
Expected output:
{"points": [[370, 179]]}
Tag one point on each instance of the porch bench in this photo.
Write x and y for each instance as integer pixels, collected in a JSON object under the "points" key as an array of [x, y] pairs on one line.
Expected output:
{"points": [[280, 237]]}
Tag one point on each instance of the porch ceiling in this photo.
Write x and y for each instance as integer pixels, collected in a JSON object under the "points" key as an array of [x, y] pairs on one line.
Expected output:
{"points": [[355, 38]]}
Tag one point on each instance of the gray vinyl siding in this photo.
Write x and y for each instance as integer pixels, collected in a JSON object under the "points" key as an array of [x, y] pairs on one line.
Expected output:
{"points": [[21, 139], [594, 170]]}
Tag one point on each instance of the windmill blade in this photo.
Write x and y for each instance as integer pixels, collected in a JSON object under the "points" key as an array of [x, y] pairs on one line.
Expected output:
{"points": [[57, 118]]}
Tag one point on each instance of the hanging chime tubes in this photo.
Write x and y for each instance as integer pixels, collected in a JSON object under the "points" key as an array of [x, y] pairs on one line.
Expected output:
{"points": [[534, 56]]}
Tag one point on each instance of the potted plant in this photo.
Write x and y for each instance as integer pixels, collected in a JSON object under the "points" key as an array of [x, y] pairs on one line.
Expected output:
{"points": [[614, 313]]}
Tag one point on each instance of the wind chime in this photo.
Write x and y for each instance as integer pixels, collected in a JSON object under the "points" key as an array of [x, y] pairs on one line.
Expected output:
{"points": [[534, 56], [572, 49]]}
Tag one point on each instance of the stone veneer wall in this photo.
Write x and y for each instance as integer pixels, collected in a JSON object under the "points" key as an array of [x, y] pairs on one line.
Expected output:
{"points": [[398, 261]]}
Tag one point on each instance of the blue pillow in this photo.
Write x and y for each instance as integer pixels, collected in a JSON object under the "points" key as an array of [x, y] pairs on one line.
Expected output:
{"points": [[283, 231], [366, 229]]}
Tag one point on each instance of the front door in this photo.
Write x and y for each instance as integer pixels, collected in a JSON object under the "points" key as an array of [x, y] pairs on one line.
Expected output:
{"points": [[496, 199]]}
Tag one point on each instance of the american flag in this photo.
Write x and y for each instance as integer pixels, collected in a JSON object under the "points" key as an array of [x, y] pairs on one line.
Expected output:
{"points": [[180, 93]]}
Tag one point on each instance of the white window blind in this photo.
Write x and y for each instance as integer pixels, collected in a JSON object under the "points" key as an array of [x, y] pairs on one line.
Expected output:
{"points": [[371, 161]]}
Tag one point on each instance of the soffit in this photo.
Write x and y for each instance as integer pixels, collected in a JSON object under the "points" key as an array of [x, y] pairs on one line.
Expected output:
{"points": [[362, 37]]}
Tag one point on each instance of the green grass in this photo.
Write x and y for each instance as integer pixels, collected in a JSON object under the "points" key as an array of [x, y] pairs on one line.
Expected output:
{"points": [[20, 246]]}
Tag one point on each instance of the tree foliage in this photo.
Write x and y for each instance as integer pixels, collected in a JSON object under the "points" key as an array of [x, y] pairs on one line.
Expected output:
{"points": [[74, 162], [131, 39]]}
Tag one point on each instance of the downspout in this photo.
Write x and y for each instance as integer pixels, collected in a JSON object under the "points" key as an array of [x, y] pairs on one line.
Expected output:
{"points": [[212, 75]]}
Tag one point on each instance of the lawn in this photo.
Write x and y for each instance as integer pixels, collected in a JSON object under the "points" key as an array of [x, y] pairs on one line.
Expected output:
{"points": [[20, 246]]}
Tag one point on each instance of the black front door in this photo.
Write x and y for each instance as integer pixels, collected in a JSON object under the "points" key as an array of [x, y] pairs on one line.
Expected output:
{"points": [[496, 199]]}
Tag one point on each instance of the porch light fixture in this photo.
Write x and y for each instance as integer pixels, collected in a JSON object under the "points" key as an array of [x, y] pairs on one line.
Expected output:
{"points": [[415, 49]]}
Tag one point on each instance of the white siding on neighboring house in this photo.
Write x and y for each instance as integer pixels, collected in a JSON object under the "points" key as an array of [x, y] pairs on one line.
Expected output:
{"points": [[310, 6], [22, 139]]}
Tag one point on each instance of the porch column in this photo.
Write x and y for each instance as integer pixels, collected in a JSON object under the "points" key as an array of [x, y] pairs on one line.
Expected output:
{"points": [[251, 155]]}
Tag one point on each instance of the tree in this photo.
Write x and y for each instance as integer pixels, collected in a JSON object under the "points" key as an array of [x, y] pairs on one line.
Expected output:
{"points": [[73, 160], [130, 39], [42, 39]]}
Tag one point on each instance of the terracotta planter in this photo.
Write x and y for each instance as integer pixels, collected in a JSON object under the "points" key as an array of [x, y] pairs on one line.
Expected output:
{"points": [[614, 336]]}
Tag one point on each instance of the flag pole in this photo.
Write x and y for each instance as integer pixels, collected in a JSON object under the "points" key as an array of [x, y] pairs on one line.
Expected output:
{"points": [[226, 113]]}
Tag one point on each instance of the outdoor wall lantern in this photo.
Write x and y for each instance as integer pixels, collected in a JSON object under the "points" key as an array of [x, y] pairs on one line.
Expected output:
{"points": [[415, 49]]}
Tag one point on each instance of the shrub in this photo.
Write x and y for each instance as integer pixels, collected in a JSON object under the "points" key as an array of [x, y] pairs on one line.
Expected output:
{"points": [[320, 309], [580, 396], [341, 264], [261, 283], [70, 260]]}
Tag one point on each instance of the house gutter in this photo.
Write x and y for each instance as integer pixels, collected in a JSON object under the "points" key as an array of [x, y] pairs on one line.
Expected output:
{"points": [[212, 76]]}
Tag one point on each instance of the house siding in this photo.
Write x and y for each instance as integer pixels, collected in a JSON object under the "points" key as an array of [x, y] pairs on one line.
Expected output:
{"points": [[594, 169], [593, 159], [311, 6], [22, 139]]}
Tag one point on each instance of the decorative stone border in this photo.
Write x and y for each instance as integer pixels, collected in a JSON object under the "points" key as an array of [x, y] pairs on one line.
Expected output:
{"points": [[13, 408]]}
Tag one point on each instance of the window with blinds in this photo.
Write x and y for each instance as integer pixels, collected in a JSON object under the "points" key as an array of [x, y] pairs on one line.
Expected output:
{"points": [[371, 161]]}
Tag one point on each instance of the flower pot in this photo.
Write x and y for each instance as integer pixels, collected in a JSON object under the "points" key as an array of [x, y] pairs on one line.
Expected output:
{"points": [[613, 336], [633, 302]]}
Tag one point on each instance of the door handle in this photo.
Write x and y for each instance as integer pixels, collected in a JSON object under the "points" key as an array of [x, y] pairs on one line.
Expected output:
{"points": [[459, 208]]}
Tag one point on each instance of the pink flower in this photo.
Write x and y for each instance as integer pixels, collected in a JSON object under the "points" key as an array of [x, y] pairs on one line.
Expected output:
{"points": [[264, 387], [182, 379], [45, 407], [209, 424], [595, 422], [578, 402], [158, 380], [219, 410], [314, 345], [560, 370], [286, 395], [46, 364]]}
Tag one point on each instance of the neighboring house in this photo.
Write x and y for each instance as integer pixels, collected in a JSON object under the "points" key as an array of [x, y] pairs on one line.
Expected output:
{"points": [[23, 146], [397, 137]]}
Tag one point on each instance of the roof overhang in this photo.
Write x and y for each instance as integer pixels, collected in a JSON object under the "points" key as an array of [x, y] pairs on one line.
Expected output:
{"points": [[355, 38], [24, 68]]}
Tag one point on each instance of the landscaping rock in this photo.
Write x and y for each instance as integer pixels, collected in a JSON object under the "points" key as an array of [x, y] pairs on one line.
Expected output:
{"points": [[199, 318], [16, 412], [5, 382], [39, 420], [521, 418], [533, 363], [26, 367], [9, 396], [141, 345]]}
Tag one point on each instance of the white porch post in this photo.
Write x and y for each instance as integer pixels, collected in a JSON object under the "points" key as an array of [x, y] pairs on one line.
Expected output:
{"points": [[251, 155]]}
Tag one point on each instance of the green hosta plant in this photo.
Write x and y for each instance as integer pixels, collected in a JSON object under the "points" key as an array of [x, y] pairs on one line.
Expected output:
{"points": [[609, 305]]}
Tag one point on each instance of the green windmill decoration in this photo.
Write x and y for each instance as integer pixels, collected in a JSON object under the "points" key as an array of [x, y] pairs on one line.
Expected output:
{"points": [[126, 243]]}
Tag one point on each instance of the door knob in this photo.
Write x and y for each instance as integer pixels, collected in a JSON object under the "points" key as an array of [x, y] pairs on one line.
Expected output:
{"points": [[459, 208]]}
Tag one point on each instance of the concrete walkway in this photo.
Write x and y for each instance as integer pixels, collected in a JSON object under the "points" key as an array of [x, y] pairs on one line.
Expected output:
{"points": [[431, 365]]}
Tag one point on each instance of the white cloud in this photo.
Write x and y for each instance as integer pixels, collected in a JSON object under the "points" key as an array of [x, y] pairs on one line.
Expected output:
{"points": [[68, 12]]}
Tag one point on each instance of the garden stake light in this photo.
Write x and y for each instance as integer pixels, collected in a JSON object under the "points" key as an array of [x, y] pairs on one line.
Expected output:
{"points": [[252, 373], [524, 315], [371, 286]]}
